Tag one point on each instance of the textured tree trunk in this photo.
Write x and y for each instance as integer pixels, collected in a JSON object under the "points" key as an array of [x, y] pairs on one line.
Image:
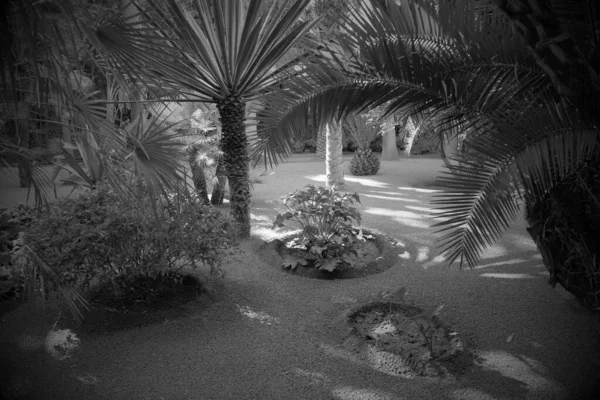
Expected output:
{"points": [[321, 144], [218, 192], [198, 176], [390, 150], [234, 145], [334, 162]]}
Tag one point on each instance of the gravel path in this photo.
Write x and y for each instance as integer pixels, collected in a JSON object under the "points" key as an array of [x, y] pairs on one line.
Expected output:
{"points": [[271, 335]]}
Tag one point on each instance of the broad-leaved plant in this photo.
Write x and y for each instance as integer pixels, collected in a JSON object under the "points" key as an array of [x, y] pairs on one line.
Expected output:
{"points": [[325, 217]]}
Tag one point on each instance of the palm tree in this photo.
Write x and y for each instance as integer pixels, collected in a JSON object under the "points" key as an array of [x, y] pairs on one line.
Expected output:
{"points": [[459, 65], [228, 53], [56, 61]]}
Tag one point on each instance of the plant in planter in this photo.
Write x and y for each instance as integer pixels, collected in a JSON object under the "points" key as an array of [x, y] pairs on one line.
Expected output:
{"points": [[327, 240]]}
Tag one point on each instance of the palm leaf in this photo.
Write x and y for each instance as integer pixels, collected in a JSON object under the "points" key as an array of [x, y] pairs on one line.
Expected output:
{"points": [[483, 192]]}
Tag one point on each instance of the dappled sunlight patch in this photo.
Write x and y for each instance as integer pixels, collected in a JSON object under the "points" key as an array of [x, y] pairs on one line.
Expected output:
{"points": [[422, 254], [435, 261], [407, 218], [87, 379], [400, 243], [261, 218], [526, 370], [61, 343], [501, 263], [494, 251], [505, 275], [262, 317], [393, 213], [352, 393], [317, 178], [267, 234], [413, 223], [375, 196], [386, 192], [523, 242], [426, 210], [367, 182], [405, 255], [419, 190]]}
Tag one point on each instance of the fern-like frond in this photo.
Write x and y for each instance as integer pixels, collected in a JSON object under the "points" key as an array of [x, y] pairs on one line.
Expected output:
{"points": [[483, 190]]}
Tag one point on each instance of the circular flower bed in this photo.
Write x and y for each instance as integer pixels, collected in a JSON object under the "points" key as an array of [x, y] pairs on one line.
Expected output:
{"points": [[373, 255], [404, 340]]}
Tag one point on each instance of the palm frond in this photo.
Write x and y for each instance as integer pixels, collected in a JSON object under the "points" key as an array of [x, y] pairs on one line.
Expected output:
{"points": [[483, 190]]}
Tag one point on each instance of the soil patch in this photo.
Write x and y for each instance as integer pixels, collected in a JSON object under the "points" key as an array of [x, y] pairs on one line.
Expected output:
{"points": [[109, 312], [374, 256], [403, 340]]}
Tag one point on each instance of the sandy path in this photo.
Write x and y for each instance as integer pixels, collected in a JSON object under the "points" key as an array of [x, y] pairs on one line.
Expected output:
{"points": [[270, 334]]}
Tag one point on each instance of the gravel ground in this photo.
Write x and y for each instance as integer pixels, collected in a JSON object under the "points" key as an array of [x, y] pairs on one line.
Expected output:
{"points": [[272, 335]]}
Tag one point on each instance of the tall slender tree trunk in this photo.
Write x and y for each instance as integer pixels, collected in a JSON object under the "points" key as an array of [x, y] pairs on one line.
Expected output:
{"points": [[321, 144], [234, 145], [390, 150], [334, 162], [198, 176], [218, 192]]}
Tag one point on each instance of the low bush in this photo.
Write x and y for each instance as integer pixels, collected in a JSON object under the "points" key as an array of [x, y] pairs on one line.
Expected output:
{"points": [[97, 236], [325, 217]]}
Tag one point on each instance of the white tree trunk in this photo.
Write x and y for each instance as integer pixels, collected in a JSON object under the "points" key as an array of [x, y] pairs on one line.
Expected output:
{"points": [[321, 144], [334, 162], [412, 131], [450, 150], [389, 151]]}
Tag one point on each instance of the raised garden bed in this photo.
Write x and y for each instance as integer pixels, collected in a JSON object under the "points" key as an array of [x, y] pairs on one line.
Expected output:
{"points": [[375, 255], [403, 340]]}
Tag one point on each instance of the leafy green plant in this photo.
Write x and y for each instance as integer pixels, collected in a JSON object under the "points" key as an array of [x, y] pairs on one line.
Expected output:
{"points": [[325, 217], [97, 236], [426, 322]]}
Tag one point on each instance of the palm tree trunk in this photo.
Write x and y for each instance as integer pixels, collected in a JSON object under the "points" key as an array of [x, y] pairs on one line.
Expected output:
{"points": [[234, 145], [390, 150], [334, 162], [198, 176], [321, 144], [218, 192]]}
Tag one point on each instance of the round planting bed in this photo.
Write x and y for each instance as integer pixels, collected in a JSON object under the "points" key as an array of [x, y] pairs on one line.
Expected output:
{"points": [[403, 340], [381, 254]]}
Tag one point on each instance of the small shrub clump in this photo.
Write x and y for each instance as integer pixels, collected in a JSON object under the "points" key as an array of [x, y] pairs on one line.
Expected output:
{"points": [[97, 236], [325, 216]]}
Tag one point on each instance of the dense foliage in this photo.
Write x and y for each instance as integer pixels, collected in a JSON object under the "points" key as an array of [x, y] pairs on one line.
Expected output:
{"points": [[97, 236], [325, 217]]}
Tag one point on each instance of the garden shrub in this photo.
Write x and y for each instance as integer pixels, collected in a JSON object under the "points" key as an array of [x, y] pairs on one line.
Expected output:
{"points": [[95, 235], [325, 217]]}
